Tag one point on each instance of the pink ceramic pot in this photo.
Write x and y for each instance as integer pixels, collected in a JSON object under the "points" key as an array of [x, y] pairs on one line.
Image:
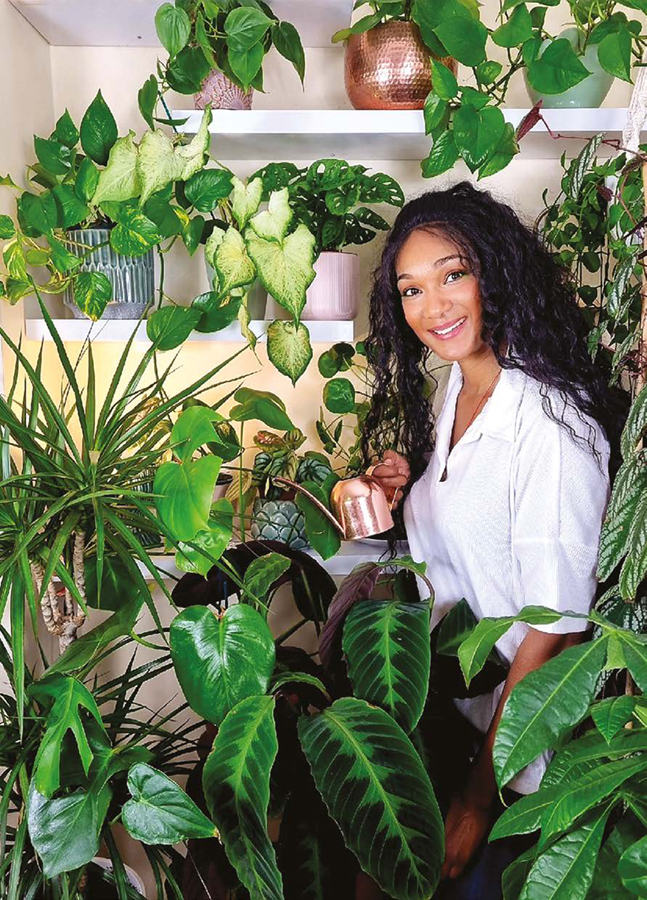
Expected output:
{"points": [[222, 93]]}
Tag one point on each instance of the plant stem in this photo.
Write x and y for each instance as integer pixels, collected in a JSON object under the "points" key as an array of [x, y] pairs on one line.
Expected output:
{"points": [[241, 511]]}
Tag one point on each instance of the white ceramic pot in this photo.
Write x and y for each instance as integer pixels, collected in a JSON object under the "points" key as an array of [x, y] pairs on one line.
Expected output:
{"points": [[333, 295]]}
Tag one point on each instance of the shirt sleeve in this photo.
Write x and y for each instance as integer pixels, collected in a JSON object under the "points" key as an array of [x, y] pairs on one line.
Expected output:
{"points": [[560, 494]]}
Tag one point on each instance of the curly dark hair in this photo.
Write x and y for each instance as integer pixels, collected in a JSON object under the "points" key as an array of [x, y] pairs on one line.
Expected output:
{"points": [[528, 305]]}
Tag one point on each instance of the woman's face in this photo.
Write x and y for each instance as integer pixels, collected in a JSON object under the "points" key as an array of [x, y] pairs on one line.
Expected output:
{"points": [[440, 296]]}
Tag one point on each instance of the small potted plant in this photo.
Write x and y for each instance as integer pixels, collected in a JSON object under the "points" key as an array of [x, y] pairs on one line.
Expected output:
{"points": [[334, 201], [387, 62], [275, 514], [216, 50]]}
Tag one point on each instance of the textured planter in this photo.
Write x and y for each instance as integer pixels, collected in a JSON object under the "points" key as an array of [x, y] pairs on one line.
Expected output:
{"points": [[222, 93], [279, 520], [333, 295], [589, 93], [132, 277], [388, 67]]}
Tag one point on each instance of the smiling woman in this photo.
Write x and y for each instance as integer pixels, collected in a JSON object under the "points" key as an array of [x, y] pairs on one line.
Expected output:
{"points": [[506, 492]]}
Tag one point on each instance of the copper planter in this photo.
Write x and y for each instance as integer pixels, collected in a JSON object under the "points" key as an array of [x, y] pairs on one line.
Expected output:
{"points": [[389, 67]]}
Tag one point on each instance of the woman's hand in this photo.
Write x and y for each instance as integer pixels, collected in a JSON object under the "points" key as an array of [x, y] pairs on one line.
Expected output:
{"points": [[392, 472], [466, 826]]}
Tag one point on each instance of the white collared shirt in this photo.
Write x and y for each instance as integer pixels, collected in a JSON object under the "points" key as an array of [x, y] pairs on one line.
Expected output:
{"points": [[517, 520]]}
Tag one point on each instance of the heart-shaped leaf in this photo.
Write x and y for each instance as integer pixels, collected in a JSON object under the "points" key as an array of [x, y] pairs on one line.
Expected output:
{"points": [[289, 348], [284, 269], [184, 495], [92, 291], [98, 130], [173, 28], [233, 265], [63, 831], [221, 660], [119, 180], [160, 811], [170, 326], [213, 540], [245, 200], [557, 69]]}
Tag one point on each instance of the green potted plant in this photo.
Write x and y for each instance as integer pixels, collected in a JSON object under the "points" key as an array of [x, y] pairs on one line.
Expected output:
{"points": [[275, 514], [334, 200], [216, 49], [390, 39]]}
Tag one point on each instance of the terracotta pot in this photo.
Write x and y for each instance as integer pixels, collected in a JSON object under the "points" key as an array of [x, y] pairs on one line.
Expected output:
{"points": [[333, 295], [389, 67], [222, 93]]}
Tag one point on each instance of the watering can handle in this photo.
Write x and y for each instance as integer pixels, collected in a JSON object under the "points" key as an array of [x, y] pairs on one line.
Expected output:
{"points": [[317, 503], [369, 472]]}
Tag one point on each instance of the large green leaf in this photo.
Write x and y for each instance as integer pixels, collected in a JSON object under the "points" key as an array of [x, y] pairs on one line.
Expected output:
{"points": [[388, 651], [69, 697], [377, 790], [633, 868], [232, 263], [261, 405], [119, 180], [92, 291], [525, 816], [565, 870], [284, 268], [160, 811], [170, 326], [98, 130], [323, 536], [557, 69], [183, 495], [262, 572], [221, 659], [207, 187], [628, 490], [589, 751], [464, 39], [545, 705], [272, 224], [612, 714], [635, 652], [64, 831], [289, 348], [635, 425], [173, 28], [236, 782], [194, 428], [213, 540], [134, 234], [607, 884]]}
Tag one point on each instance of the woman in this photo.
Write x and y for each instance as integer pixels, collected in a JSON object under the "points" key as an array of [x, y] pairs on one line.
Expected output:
{"points": [[506, 508]]}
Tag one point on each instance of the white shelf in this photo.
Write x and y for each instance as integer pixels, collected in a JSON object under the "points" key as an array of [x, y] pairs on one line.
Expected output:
{"points": [[351, 554], [72, 330], [368, 134], [131, 23]]}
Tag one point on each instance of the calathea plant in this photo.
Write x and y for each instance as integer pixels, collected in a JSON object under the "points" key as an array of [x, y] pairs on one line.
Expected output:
{"points": [[334, 199], [278, 714], [230, 35]]}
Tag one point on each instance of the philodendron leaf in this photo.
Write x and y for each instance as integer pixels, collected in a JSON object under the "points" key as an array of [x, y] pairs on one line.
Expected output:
{"points": [[557, 69], [119, 180], [284, 269], [388, 651], [272, 224], [135, 234], [92, 291], [387, 810], [245, 200], [289, 348], [566, 868], [64, 831], [232, 263], [69, 697], [190, 158], [184, 495], [213, 540], [159, 162], [170, 326], [221, 660], [160, 811], [545, 705], [173, 28], [98, 130], [236, 783], [633, 868], [194, 427]]}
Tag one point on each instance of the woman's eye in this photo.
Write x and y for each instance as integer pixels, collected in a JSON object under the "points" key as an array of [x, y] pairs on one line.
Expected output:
{"points": [[455, 276], [406, 293]]}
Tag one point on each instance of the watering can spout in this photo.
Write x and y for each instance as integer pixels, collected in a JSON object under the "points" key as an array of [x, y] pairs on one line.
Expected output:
{"points": [[360, 506]]}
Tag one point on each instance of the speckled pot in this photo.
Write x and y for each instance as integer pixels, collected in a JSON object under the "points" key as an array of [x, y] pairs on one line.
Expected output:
{"points": [[279, 520], [132, 277], [222, 93], [389, 67]]}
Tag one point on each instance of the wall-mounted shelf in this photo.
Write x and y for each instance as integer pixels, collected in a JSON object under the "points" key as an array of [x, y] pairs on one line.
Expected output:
{"points": [[131, 23], [121, 330], [280, 134]]}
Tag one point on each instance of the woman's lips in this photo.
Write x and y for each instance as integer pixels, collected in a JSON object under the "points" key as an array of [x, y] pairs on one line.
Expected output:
{"points": [[455, 329]]}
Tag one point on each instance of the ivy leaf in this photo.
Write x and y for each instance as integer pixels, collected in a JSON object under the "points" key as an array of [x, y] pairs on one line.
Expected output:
{"points": [[442, 157], [557, 69]]}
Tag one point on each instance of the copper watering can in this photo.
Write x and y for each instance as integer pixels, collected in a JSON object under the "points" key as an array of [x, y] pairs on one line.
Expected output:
{"points": [[360, 507]]}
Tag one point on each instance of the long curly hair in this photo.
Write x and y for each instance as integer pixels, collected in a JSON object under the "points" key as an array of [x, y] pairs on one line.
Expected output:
{"points": [[528, 305]]}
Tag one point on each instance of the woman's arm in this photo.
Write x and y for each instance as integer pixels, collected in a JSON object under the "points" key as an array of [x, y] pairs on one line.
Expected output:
{"points": [[468, 820]]}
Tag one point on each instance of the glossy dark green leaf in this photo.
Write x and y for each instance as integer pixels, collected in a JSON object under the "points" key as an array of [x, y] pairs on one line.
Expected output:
{"points": [[262, 406], [160, 812], [52, 155], [464, 39], [545, 705], [502, 155], [87, 179], [287, 41], [442, 156], [39, 212], [607, 884], [66, 131], [612, 714], [444, 81], [590, 751], [72, 211], [170, 326], [207, 187], [387, 810], [186, 73], [236, 783], [173, 28], [525, 816], [565, 870], [322, 534], [557, 69], [339, 396], [262, 572], [7, 228], [221, 660], [388, 652], [64, 831], [184, 493], [98, 130], [614, 54], [477, 133], [633, 868], [147, 100], [516, 30], [245, 27], [213, 541], [246, 64], [635, 653]]}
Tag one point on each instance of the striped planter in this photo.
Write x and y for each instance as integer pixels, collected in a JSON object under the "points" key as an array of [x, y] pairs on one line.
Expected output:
{"points": [[132, 277], [333, 295]]}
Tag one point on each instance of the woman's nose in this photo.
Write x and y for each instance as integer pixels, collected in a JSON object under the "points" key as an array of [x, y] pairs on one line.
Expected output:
{"points": [[436, 306]]}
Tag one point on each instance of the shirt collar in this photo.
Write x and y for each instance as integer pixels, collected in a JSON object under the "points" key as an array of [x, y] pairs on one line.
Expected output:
{"points": [[498, 417]]}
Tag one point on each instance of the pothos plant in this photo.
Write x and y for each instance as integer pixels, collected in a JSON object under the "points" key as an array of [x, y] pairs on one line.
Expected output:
{"points": [[334, 199], [232, 36]]}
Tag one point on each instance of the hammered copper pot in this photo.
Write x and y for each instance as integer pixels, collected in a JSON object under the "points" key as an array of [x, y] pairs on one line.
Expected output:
{"points": [[389, 67]]}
